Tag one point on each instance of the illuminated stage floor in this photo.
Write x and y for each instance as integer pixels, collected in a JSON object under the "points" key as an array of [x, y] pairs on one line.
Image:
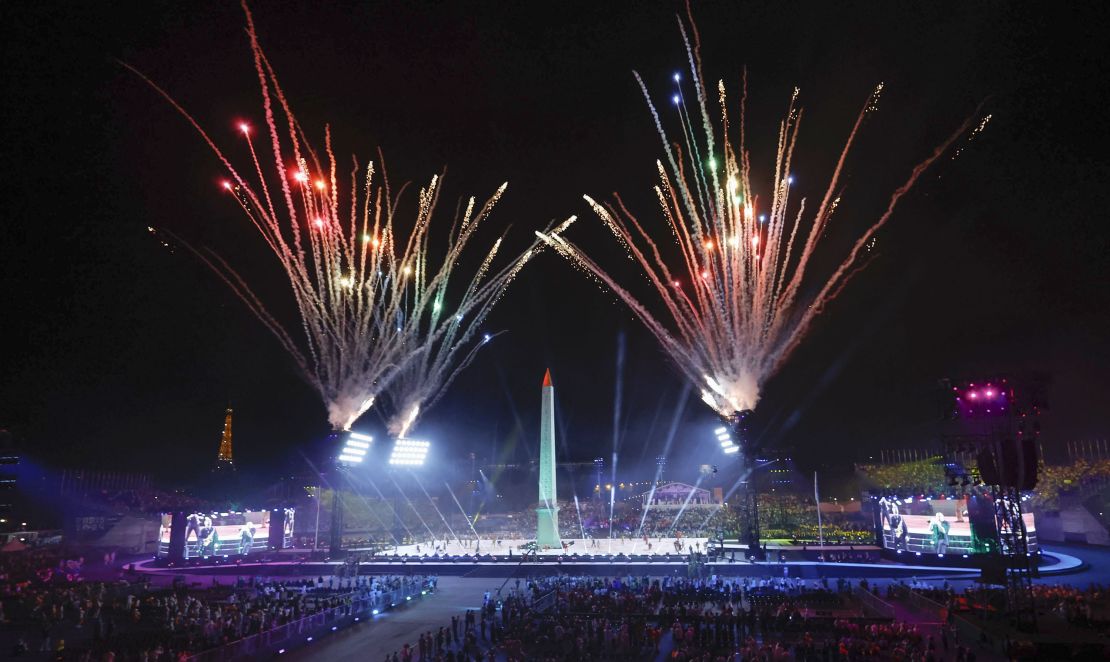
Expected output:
{"points": [[1056, 563], [659, 547]]}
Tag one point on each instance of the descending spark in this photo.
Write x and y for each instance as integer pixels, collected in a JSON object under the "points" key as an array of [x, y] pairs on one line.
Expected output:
{"points": [[373, 303], [733, 308], [448, 341]]}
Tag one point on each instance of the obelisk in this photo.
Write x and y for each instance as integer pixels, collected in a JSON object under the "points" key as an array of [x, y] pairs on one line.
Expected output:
{"points": [[547, 511]]}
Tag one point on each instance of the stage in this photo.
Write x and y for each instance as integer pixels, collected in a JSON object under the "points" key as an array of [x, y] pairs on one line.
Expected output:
{"points": [[292, 564], [593, 546]]}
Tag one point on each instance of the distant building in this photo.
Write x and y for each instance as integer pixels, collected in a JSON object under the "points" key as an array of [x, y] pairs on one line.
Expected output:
{"points": [[676, 495], [9, 471], [225, 461]]}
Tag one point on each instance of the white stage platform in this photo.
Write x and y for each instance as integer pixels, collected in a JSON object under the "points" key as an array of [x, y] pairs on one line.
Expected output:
{"points": [[658, 546]]}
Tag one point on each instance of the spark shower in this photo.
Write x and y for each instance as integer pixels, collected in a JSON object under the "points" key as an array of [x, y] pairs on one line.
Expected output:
{"points": [[376, 313], [732, 307]]}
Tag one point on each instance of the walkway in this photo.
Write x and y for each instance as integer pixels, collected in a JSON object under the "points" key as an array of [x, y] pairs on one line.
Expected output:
{"points": [[387, 632]]}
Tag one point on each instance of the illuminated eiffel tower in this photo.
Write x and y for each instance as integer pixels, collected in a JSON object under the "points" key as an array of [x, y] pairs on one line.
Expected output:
{"points": [[224, 460]]}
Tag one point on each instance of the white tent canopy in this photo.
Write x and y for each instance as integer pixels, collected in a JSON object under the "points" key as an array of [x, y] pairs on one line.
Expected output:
{"points": [[674, 495]]}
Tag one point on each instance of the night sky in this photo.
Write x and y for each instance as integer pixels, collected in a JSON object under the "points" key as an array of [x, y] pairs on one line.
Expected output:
{"points": [[118, 353]]}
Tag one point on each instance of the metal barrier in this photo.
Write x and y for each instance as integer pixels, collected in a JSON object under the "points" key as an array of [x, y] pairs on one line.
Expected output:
{"points": [[304, 630], [545, 602], [927, 604], [873, 603]]}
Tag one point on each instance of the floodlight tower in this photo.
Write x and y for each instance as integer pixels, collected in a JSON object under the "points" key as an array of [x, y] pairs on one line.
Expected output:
{"points": [[599, 468], [995, 423], [410, 454], [351, 453], [738, 438]]}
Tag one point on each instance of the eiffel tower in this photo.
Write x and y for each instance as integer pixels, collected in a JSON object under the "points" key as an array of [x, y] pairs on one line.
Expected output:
{"points": [[224, 460]]}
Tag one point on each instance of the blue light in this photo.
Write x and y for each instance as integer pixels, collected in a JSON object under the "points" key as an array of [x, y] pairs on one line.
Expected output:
{"points": [[677, 76], [310, 638], [675, 99], [790, 179], [485, 338], [375, 612]]}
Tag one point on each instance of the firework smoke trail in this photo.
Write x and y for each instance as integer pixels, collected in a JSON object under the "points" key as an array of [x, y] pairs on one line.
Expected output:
{"points": [[733, 308], [369, 297]]}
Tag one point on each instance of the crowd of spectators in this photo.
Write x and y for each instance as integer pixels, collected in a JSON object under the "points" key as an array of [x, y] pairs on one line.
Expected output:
{"points": [[917, 477], [1079, 477], [48, 606], [1084, 607], [638, 618], [786, 517]]}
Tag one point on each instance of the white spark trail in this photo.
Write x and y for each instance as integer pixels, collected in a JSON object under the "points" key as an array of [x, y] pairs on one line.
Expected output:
{"points": [[374, 305], [731, 310]]}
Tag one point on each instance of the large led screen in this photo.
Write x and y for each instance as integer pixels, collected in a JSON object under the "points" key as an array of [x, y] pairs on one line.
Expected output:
{"points": [[223, 534], [944, 526]]}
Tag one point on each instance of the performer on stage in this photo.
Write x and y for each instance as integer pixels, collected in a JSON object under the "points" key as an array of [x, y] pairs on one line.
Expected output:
{"points": [[246, 538], [939, 530], [192, 526], [209, 542]]}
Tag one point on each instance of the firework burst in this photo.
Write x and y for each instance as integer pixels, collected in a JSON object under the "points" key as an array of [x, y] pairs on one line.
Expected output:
{"points": [[731, 310], [373, 304]]}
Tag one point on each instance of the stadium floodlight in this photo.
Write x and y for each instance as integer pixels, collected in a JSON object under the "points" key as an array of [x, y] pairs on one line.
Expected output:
{"points": [[725, 439], [354, 448], [408, 452]]}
